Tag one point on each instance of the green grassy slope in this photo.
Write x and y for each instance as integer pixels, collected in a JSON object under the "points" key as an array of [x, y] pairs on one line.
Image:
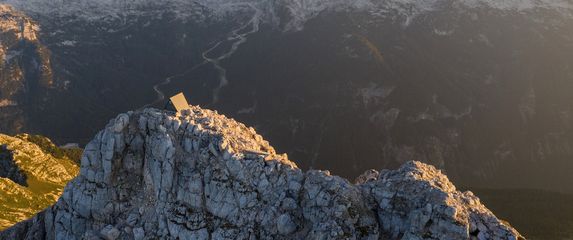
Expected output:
{"points": [[47, 168]]}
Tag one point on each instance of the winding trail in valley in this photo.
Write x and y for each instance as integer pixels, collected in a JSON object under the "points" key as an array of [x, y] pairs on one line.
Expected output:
{"points": [[166, 81], [236, 38]]}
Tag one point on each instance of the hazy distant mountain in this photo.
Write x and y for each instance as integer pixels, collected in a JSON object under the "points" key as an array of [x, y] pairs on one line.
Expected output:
{"points": [[482, 89], [548, 216], [292, 15]]}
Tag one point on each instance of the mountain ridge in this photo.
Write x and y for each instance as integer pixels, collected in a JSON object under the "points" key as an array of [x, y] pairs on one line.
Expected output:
{"points": [[292, 14], [151, 174]]}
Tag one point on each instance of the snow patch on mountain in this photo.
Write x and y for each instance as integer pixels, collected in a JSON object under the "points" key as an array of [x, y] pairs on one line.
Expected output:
{"points": [[299, 11], [521, 5]]}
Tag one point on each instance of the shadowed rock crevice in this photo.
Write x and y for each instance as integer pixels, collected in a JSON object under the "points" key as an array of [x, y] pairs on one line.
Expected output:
{"points": [[153, 175], [9, 169]]}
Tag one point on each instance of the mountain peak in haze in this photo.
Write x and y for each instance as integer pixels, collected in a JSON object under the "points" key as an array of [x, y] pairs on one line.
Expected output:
{"points": [[292, 15], [153, 175]]}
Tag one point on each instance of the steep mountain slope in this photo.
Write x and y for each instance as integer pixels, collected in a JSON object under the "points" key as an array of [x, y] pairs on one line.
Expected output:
{"points": [[31, 178], [25, 68], [153, 175]]}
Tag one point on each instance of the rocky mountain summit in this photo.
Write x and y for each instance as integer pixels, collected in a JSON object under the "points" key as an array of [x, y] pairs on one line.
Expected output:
{"points": [[153, 175]]}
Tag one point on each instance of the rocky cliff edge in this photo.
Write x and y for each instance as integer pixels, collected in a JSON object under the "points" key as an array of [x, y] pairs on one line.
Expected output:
{"points": [[153, 175]]}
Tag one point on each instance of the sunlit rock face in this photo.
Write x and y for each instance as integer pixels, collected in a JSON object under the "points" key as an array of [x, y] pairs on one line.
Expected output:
{"points": [[25, 69], [153, 175], [31, 178]]}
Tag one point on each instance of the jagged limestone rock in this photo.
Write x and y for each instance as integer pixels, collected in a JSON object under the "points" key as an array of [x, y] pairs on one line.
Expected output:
{"points": [[152, 175]]}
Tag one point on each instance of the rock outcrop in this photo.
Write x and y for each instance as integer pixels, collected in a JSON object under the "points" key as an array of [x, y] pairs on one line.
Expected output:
{"points": [[153, 175]]}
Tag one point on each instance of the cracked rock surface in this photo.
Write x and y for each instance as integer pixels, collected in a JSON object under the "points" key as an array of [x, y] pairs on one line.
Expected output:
{"points": [[153, 175]]}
